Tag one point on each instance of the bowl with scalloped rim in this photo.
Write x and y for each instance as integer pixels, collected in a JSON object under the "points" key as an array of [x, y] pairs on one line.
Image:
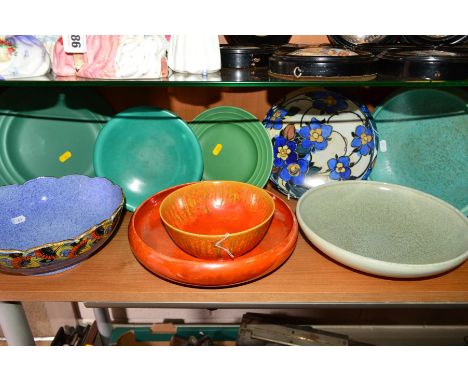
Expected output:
{"points": [[51, 224]]}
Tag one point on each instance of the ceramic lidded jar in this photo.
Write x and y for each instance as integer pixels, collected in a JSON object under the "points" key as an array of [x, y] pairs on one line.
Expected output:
{"points": [[197, 54], [352, 41], [319, 136]]}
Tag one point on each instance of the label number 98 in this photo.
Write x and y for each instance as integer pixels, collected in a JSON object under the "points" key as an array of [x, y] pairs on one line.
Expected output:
{"points": [[76, 40]]}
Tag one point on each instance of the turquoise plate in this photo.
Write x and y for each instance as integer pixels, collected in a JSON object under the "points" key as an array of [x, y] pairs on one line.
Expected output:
{"points": [[49, 132], [423, 137], [145, 150]]}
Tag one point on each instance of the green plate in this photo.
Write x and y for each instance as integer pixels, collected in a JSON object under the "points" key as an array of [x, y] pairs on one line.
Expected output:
{"points": [[235, 145], [145, 150], [48, 132], [423, 136]]}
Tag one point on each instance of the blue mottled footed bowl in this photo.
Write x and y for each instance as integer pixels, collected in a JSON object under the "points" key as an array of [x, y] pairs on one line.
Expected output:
{"points": [[49, 224]]}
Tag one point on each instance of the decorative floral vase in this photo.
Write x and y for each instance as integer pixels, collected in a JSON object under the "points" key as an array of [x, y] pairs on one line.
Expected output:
{"points": [[319, 136]]}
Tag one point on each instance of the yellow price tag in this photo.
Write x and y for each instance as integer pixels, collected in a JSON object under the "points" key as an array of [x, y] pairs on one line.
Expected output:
{"points": [[217, 149], [65, 156]]}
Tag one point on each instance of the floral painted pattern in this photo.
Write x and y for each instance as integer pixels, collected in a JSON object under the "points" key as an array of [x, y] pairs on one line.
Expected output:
{"points": [[60, 255], [7, 48], [319, 136], [294, 172], [284, 152], [363, 140], [274, 118], [329, 102], [339, 168], [316, 135]]}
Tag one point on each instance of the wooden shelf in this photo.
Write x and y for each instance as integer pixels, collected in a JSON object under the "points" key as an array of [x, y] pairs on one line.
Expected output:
{"points": [[307, 278]]}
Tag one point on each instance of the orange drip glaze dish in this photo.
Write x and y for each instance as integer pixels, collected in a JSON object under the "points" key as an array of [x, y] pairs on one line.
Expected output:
{"points": [[217, 219], [155, 250]]}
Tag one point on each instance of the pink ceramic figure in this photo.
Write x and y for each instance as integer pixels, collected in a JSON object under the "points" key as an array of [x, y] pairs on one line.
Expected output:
{"points": [[114, 57]]}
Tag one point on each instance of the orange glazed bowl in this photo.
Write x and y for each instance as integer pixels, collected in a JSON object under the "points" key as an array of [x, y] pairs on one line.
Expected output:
{"points": [[217, 219]]}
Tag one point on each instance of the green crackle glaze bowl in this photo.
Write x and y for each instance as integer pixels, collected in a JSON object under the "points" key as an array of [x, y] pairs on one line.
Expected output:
{"points": [[384, 229], [423, 136]]}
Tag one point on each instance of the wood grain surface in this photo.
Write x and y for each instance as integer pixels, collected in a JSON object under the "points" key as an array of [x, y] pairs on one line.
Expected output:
{"points": [[113, 274]]}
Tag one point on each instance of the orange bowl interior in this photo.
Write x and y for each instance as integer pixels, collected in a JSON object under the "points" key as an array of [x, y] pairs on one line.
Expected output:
{"points": [[217, 208]]}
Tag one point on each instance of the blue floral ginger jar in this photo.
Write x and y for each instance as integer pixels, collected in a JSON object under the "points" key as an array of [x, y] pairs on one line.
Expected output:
{"points": [[319, 136]]}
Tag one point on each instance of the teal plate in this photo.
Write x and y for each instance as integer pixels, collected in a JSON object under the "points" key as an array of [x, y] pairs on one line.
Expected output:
{"points": [[48, 132], [423, 136], [145, 150]]}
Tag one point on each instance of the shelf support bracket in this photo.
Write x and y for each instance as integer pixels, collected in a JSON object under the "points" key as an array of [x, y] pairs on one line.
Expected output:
{"points": [[104, 324], [15, 325]]}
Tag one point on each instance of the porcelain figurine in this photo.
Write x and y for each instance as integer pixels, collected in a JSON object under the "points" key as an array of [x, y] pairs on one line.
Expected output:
{"points": [[319, 136], [49, 43], [114, 57], [197, 54], [22, 56]]}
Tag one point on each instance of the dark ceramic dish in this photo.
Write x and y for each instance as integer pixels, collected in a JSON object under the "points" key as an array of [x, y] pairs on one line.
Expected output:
{"points": [[242, 57], [319, 62], [434, 40], [351, 41], [257, 40], [424, 64]]}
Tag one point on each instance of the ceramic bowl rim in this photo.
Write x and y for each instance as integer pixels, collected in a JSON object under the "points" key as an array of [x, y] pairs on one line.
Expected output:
{"points": [[292, 236], [81, 235], [387, 266], [206, 236]]}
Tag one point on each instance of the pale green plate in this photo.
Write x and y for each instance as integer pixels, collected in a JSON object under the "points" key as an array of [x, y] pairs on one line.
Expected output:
{"points": [[384, 229]]}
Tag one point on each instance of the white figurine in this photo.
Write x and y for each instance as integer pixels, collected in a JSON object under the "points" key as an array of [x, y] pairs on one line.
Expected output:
{"points": [[197, 54]]}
